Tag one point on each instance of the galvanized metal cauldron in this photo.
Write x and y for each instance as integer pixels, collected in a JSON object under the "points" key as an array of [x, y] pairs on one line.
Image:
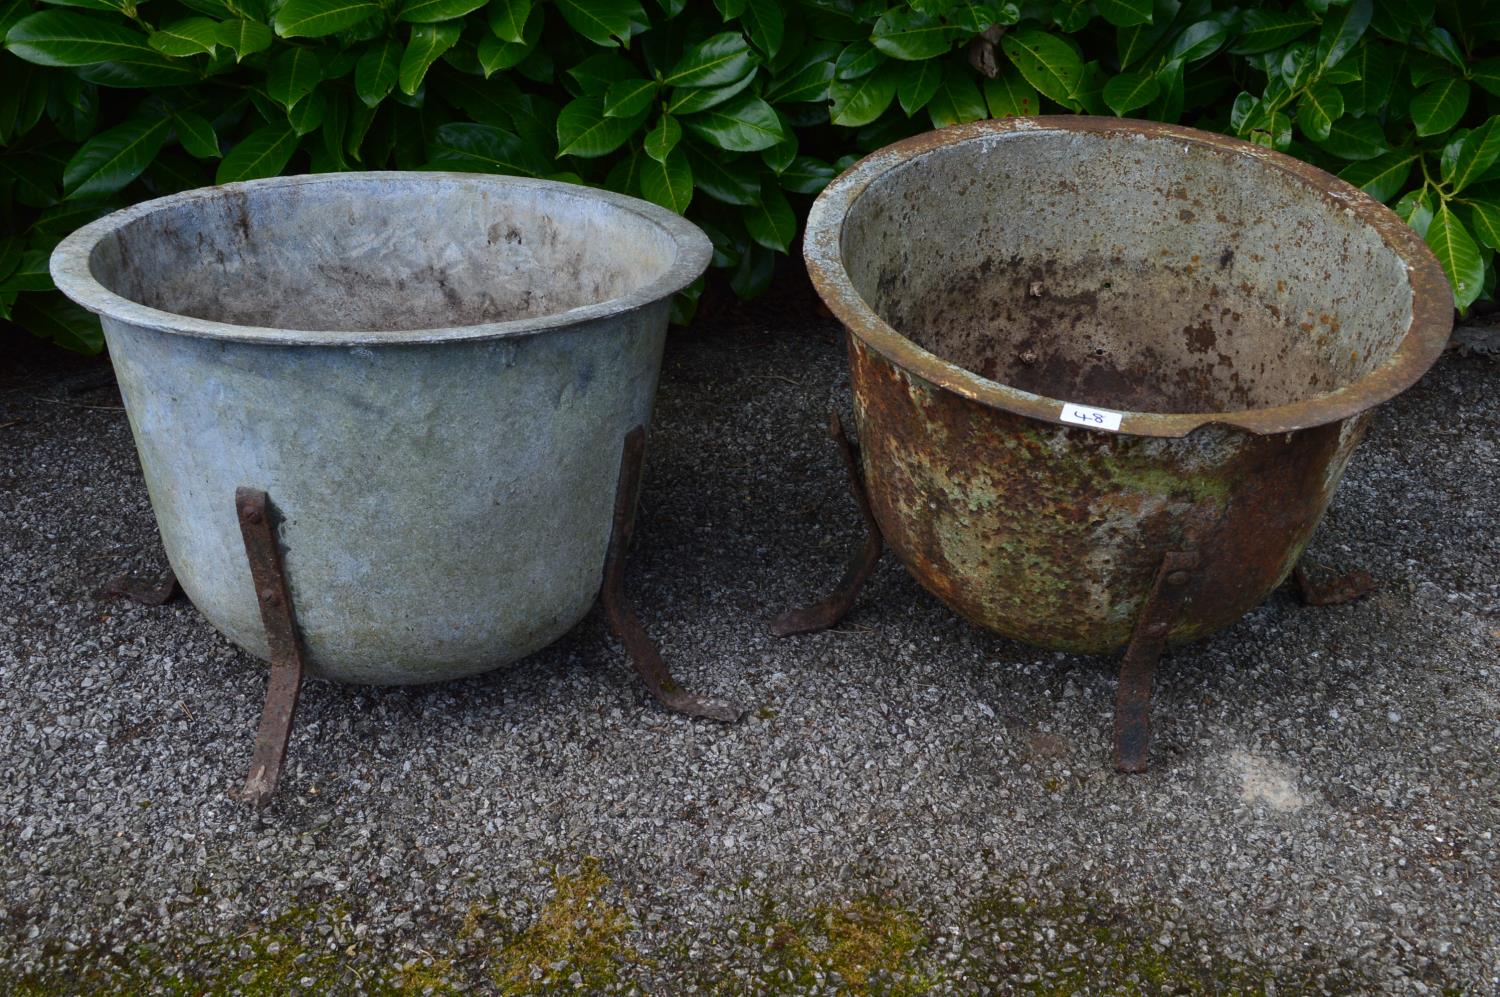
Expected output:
{"points": [[1080, 345], [427, 380]]}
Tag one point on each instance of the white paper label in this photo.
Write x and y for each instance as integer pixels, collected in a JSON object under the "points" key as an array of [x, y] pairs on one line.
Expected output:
{"points": [[1096, 418]]}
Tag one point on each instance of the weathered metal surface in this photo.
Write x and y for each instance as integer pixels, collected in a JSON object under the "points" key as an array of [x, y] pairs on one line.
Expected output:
{"points": [[1169, 590], [644, 656], [431, 373], [1240, 311], [836, 605], [254, 511]]}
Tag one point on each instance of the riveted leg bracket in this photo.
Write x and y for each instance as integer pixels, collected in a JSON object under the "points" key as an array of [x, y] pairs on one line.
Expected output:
{"points": [[1133, 695], [644, 656], [285, 683], [824, 614]]}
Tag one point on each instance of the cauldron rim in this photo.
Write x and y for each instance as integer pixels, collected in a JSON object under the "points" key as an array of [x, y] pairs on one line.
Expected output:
{"points": [[72, 271], [1420, 346]]}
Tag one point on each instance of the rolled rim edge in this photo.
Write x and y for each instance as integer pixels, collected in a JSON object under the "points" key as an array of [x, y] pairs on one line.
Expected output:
{"points": [[1424, 340], [69, 266]]}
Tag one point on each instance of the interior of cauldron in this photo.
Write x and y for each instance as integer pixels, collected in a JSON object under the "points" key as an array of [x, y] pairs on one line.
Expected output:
{"points": [[1126, 271], [390, 252]]}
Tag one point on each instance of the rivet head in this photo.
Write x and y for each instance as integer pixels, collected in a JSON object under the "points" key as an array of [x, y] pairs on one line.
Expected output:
{"points": [[1178, 578], [269, 597]]}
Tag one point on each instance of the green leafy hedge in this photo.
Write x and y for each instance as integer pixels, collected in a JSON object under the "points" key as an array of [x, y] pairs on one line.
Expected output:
{"points": [[732, 112]]}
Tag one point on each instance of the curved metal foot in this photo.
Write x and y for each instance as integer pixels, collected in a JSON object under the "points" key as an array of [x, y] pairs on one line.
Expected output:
{"points": [[836, 605], [1133, 694], [1319, 586], [644, 657], [285, 683]]}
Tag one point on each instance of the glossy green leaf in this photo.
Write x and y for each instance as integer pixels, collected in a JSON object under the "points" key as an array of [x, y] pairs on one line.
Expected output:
{"points": [[1355, 138], [957, 99], [731, 179], [1200, 40], [916, 82], [1129, 91], [1047, 62], [189, 36], [495, 55], [723, 58], [316, 18], [428, 43], [1264, 30], [695, 99], [1454, 248], [113, 158], [1374, 74], [1416, 208], [1341, 31], [196, 135], [292, 75], [375, 72], [902, 33], [667, 182], [307, 116], [66, 38], [244, 37], [507, 19], [1321, 105], [629, 98], [434, 11], [475, 148], [765, 24], [263, 153], [147, 68], [29, 274], [1484, 221], [1486, 73], [603, 22], [584, 131], [1382, 177], [810, 83], [746, 124], [856, 60], [1476, 153], [807, 175], [770, 221], [663, 138], [860, 101], [1440, 106], [1009, 95], [1125, 13]]}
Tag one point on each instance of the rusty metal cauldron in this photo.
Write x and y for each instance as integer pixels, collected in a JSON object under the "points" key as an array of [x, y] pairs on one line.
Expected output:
{"points": [[1107, 374]]}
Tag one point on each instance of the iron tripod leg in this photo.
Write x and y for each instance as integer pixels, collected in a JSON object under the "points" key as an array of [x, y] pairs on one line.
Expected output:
{"points": [[285, 682], [1163, 605], [644, 656], [824, 614]]}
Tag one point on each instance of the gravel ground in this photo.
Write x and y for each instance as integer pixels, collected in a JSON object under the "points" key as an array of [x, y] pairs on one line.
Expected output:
{"points": [[911, 805]]}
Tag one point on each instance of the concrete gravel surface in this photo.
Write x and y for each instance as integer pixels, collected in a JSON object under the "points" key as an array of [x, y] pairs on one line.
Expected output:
{"points": [[911, 805]]}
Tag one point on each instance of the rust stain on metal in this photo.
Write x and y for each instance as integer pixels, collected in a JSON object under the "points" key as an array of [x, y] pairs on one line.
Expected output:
{"points": [[1171, 588], [285, 683], [1235, 424]]}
